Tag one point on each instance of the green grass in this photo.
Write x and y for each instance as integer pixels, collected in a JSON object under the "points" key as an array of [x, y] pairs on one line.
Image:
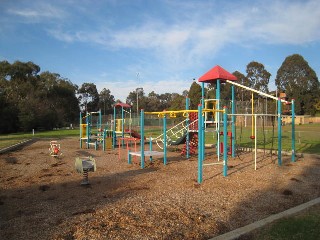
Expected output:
{"points": [[304, 226], [307, 137], [11, 139]]}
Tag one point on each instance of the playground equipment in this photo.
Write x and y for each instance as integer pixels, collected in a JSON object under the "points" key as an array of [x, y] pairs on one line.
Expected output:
{"points": [[128, 141], [54, 149], [142, 153], [86, 129], [84, 165], [217, 75], [218, 116], [119, 124]]}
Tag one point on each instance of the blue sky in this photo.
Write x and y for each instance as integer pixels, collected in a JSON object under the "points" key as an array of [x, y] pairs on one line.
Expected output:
{"points": [[160, 45]]}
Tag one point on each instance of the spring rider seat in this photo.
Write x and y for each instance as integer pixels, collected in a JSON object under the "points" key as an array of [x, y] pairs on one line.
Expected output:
{"points": [[54, 149], [84, 165]]}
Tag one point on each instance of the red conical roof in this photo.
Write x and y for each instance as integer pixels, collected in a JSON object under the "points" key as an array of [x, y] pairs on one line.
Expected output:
{"points": [[216, 73], [120, 104]]}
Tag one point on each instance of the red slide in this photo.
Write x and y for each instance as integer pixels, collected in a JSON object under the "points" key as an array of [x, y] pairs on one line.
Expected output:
{"points": [[133, 133]]}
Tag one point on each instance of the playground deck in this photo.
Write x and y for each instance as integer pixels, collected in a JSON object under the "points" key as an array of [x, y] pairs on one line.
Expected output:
{"points": [[41, 196]]}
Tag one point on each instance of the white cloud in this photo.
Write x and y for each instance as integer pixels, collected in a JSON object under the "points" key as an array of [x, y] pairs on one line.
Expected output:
{"points": [[288, 22], [191, 40], [121, 89], [38, 12]]}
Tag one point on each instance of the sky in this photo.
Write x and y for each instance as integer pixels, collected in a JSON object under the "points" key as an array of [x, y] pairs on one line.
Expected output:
{"points": [[159, 45]]}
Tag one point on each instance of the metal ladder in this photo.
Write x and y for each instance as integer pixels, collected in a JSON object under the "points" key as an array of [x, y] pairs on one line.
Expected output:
{"points": [[174, 133]]}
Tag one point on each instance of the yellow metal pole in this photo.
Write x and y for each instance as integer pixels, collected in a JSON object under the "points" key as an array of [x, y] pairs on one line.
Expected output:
{"points": [[252, 117]]}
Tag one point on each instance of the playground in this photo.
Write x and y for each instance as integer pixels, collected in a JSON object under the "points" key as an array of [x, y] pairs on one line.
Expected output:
{"points": [[119, 181], [41, 196]]}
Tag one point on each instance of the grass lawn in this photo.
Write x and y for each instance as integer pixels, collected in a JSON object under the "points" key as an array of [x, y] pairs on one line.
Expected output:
{"points": [[307, 137], [304, 225], [11, 139]]}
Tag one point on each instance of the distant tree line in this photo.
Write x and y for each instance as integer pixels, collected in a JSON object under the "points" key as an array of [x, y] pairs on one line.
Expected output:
{"points": [[33, 100]]}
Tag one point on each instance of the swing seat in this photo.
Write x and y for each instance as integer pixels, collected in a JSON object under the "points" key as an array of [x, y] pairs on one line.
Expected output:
{"points": [[252, 137]]}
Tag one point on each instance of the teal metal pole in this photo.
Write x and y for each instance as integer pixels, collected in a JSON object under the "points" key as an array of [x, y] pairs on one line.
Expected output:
{"points": [[122, 126], [142, 138], [88, 129], [200, 159], [225, 142], [188, 134], [164, 139], [202, 94], [218, 116], [233, 120], [80, 130], [100, 120], [114, 134], [129, 157], [293, 130], [104, 133], [279, 133], [203, 136], [150, 147]]}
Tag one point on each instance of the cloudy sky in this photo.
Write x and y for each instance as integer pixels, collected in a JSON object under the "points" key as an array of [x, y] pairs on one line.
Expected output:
{"points": [[160, 45]]}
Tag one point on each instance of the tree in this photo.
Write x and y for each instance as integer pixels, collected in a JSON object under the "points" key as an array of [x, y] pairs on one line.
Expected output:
{"points": [[30, 101], [152, 102], [195, 95], [258, 77], [241, 93], [60, 104], [299, 81], [89, 97], [178, 102], [136, 99], [106, 101]]}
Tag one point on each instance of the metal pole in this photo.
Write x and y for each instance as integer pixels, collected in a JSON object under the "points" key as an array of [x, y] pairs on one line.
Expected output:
{"points": [[218, 117], [122, 125], [279, 133], [187, 137], [80, 130], [225, 142], [254, 90], [114, 134], [150, 147], [203, 124], [252, 117], [200, 160], [293, 137], [255, 142], [233, 119], [142, 138], [164, 139]]}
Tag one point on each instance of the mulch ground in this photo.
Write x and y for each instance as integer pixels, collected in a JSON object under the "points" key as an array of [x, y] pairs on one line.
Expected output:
{"points": [[41, 196]]}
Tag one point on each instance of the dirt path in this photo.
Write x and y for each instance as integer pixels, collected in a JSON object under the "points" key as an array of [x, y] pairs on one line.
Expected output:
{"points": [[41, 197]]}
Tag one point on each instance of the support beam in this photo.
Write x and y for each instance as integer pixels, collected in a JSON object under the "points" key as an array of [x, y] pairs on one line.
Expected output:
{"points": [[293, 137], [256, 91]]}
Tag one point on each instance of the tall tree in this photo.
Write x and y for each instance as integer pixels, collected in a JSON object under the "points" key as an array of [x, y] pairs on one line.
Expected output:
{"points": [[89, 97], [299, 81], [136, 99], [195, 95], [178, 102], [258, 76], [106, 101], [153, 102], [30, 100], [60, 104], [241, 93]]}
